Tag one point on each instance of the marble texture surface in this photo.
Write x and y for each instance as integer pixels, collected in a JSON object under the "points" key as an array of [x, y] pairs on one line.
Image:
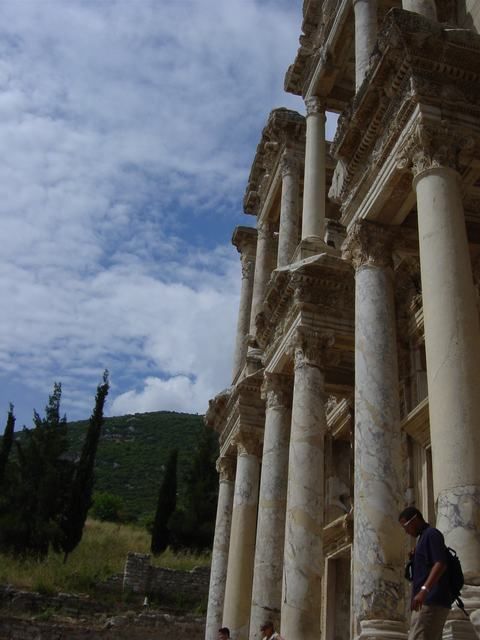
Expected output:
{"points": [[365, 36], [288, 225], [221, 543], [452, 343], [303, 559], [313, 217], [268, 566], [238, 589], [378, 583]]}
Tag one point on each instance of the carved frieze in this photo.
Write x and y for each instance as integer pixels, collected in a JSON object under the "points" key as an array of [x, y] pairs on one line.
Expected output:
{"points": [[422, 89]]}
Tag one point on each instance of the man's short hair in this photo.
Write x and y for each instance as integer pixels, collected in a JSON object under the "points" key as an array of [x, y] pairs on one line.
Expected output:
{"points": [[225, 631], [268, 624], [409, 513]]}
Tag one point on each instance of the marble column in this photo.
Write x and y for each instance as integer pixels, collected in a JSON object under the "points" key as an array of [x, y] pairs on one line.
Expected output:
{"points": [[221, 543], [267, 580], [452, 344], [238, 588], [288, 228], [244, 238], [264, 265], [365, 36], [313, 217], [378, 543], [303, 555], [425, 8]]}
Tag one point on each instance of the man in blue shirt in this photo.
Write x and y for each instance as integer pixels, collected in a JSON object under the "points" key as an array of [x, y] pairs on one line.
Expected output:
{"points": [[431, 597]]}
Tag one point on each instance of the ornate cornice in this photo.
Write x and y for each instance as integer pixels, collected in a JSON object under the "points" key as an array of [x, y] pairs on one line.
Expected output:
{"points": [[245, 239], [369, 244], [417, 108], [277, 390], [285, 129]]}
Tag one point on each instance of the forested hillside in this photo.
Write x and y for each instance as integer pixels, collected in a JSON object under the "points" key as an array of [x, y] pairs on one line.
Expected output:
{"points": [[132, 453]]}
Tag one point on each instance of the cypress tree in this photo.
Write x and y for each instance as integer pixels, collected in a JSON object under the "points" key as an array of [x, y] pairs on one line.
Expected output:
{"points": [[40, 482], [7, 441], [167, 500], [80, 498]]}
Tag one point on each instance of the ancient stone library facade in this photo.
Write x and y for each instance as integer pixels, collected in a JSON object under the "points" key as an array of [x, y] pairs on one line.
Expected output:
{"points": [[356, 376]]}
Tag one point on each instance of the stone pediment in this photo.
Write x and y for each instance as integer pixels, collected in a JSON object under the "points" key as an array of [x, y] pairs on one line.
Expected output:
{"points": [[419, 103], [284, 128]]}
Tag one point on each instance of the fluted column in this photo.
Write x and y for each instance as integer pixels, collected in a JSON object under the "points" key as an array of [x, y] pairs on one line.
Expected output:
{"points": [[264, 265], [221, 543], [452, 343], [313, 219], [425, 8], [365, 36], [288, 228], [267, 581], [378, 542], [245, 239], [238, 589], [303, 556]]}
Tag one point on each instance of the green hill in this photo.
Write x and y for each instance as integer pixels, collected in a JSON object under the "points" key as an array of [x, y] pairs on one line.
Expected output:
{"points": [[133, 450]]}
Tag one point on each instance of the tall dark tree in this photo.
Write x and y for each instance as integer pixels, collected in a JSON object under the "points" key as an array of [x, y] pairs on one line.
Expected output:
{"points": [[30, 518], [7, 442], [167, 500], [193, 523], [80, 498]]}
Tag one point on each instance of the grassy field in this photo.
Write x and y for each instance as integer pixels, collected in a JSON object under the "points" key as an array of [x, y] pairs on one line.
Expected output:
{"points": [[101, 553]]}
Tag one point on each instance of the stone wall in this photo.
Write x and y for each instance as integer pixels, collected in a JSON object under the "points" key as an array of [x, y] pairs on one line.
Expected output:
{"points": [[169, 585]]}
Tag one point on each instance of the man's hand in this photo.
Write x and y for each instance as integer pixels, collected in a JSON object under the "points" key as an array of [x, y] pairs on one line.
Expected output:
{"points": [[418, 600]]}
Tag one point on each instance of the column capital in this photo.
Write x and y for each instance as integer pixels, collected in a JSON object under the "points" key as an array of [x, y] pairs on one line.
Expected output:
{"points": [[369, 244], [277, 390], [289, 165], [434, 147], [248, 265], [315, 106], [311, 348], [248, 443], [265, 230], [226, 468]]}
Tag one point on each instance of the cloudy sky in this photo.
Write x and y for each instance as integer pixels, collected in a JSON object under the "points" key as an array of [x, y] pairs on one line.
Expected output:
{"points": [[127, 130]]}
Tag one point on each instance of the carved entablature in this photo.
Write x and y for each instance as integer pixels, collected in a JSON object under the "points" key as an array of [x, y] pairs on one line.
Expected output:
{"points": [[323, 286], [369, 244], [244, 410], [416, 109], [215, 415], [285, 130]]}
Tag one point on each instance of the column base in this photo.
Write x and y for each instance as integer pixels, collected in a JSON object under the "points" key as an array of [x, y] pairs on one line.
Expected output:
{"points": [[382, 630], [312, 246], [459, 630]]}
